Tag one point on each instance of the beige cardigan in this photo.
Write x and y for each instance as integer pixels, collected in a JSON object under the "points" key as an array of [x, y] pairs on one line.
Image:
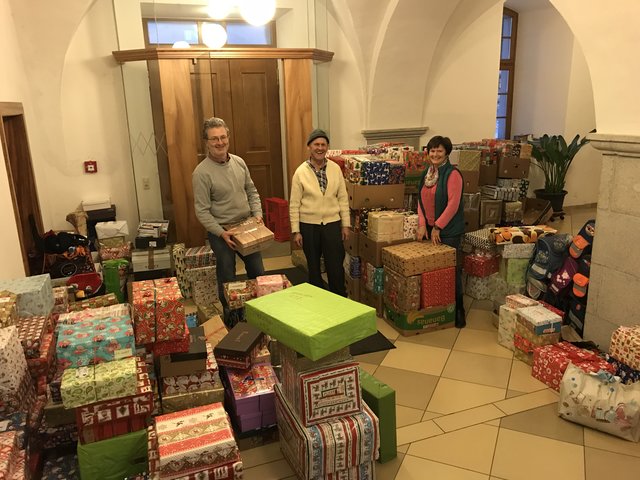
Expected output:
{"points": [[307, 204]]}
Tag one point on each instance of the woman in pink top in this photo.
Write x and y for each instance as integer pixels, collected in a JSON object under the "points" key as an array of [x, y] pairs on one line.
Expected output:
{"points": [[441, 210]]}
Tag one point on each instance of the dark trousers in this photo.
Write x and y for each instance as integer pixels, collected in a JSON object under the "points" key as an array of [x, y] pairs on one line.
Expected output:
{"points": [[454, 242], [226, 266], [324, 241]]}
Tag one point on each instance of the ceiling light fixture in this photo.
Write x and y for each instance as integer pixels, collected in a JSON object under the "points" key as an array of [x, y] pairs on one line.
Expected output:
{"points": [[214, 35]]}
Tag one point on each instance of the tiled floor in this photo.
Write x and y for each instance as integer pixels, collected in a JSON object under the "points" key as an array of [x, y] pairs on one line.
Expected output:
{"points": [[466, 409]]}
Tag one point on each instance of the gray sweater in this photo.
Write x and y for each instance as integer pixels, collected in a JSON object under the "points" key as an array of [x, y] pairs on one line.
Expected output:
{"points": [[224, 193]]}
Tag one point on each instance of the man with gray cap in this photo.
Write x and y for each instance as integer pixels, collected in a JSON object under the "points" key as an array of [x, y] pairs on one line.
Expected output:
{"points": [[319, 213]]}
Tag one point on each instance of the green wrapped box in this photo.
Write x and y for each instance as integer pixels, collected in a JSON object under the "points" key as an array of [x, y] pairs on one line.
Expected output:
{"points": [[514, 270], [381, 398], [78, 387], [114, 459], [311, 320], [116, 379]]}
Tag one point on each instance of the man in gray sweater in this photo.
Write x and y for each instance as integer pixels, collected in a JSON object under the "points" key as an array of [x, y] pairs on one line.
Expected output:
{"points": [[224, 194]]}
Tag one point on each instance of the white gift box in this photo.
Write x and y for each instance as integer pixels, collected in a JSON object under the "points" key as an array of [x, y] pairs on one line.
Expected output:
{"points": [[117, 228], [13, 365]]}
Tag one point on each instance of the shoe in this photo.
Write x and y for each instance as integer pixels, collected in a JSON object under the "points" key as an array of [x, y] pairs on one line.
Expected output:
{"points": [[460, 318]]}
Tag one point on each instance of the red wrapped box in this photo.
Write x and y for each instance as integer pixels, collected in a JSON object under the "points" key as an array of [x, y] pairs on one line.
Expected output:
{"points": [[31, 332], [173, 346], [438, 287], [8, 454], [109, 418], [194, 440], [236, 293], [481, 265], [550, 362], [41, 365], [144, 315], [170, 318]]}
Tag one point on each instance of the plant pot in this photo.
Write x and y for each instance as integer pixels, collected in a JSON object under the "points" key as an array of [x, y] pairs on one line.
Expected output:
{"points": [[556, 199]]}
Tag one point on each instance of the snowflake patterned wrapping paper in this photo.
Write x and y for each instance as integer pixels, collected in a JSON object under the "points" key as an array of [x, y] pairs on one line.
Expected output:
{"points": [[507, 326], [95, 341], [203, 283], [438, 287], [328, 447], [400, 292], [13, 365], [625, 345], [8, 308], [194, 439], [311, 320], [539, 320], [237, 293], [34, 294], [199, 257], [31, 331], [551, 361]]}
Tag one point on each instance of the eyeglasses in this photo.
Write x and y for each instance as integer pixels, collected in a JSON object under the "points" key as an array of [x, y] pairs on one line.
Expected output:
{"points": [[221, 138]]}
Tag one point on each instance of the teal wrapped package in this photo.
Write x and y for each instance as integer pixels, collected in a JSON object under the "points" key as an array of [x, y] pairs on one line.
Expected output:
{"points": [[381, 399], [311, 320], [114, 459]]}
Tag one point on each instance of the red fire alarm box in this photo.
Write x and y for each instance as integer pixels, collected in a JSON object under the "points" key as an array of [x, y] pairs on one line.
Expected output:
{"points": [[90, 166]]}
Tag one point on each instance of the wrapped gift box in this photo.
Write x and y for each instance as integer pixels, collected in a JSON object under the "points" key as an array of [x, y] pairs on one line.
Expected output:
{"points": [[400, 292], [21, 399], [514, 270], [381, 398], [94, 302], [520, 301], [34, 294], [518, 250], [251, 390], [311, 320], [625, 345], [170, 318], [481, 265], [60, 467], [177, 254], [236, 348], [374, 278], [539, 320], [115, 458], [231, 470], [507, 326], [199, 257], [524, 234], [524, 341], [396, 173], [328, 447], [94, 313], [512, 211], [294, 363], [251, 236], [480, 239], [438, 287], [78, 387], [551, 361], [385, 226], [555, 310], [237, 293], [354, 268], [478, 287], [8, 308], [469, 160], [194, 439], [184, 401], [94, 341], [173, 346], [374, 173], [197, 381], [267, 284], [151, 259], [15, 422], [324, 393], [31, 332], [12, 362], [144, 316], [410, 225], [54, 384], [203, 283], [8, 454], [254, 421], [41, 366], [58, 436], [60, 300], [625, 372], [56, 414], [415, 258]]}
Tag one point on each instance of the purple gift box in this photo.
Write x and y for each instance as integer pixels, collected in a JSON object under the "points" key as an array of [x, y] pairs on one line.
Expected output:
{"points": [[251, 390]]}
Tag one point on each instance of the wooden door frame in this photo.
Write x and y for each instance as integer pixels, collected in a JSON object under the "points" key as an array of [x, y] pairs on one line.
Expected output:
{"points": [[298, 101], [13, 109]]}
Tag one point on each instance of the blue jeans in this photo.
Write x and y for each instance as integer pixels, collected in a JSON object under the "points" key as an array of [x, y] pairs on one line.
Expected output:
{"points": [[226, 266]]}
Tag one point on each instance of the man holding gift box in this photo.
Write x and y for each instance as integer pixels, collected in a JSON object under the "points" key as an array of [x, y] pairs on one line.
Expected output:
{"points": [[224, 194]]}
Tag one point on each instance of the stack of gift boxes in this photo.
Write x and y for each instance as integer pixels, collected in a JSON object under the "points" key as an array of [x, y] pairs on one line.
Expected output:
{"points": [[419, 286], [238, 292], [196, 273], [326, 430], [478, 267]]}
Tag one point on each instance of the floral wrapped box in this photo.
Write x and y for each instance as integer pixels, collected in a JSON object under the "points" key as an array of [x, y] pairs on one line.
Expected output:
{"points": [[625, 345], [551, 361], [193, 440], [267, 284]]}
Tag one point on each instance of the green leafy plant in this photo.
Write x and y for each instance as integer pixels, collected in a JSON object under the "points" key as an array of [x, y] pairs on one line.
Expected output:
{"points": [[553, 156]]}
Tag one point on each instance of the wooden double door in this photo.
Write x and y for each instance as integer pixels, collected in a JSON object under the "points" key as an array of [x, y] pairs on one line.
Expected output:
{"points": [[245, 94]]}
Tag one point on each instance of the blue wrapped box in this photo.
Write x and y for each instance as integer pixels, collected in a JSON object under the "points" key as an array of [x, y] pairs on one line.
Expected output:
{"points": [[375, 173]]}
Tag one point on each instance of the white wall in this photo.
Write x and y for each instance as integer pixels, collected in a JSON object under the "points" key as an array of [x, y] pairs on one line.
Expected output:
{"points": [[12, 83]]}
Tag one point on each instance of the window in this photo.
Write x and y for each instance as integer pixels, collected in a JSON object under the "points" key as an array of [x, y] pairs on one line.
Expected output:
{"points": [[168, 32], [505, 75]]}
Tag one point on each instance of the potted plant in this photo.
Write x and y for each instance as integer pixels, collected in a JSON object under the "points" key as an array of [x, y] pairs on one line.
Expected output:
{"points": [[553, 156]]}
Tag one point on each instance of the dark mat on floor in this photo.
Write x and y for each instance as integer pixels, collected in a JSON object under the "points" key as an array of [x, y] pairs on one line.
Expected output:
{"points": [[374, 343]]}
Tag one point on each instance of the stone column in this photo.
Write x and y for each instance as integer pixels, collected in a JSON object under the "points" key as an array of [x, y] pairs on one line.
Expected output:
{"points": [[614, 285]]}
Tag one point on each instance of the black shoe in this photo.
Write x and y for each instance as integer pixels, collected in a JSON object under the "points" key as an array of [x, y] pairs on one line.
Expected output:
{"points": [[460, 318]]}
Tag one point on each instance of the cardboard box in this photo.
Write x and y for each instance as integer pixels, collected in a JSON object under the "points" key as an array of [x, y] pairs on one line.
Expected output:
{"points": [[420, 321], [385, 226], [353, 287], [471, 181], [416, 257], [370, 196], [490, 211], [374, 300], [400, 292], [488, 174], [173, 369], [214, 330], [471, 220], [151, 259], [351, 244], [371, 251], [251, 236], [513, 167]]}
